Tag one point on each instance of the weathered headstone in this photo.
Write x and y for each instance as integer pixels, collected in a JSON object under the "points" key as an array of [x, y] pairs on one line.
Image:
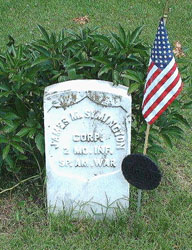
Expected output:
{"points": [[87, 136]]}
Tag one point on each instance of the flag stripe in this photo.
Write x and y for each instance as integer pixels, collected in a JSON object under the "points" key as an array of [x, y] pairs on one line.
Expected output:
{"points": [[152, 78], [160, 87], [152, 68], [161, 101], [155, 117], [159, 78], [151, 63]]}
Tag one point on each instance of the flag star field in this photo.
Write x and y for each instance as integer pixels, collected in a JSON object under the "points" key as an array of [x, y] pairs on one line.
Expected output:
{"points": [[161, 53]]}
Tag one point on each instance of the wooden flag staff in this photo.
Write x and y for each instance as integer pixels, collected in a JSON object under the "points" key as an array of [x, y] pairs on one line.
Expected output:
{"points": [[166, 11], [165, 15], [144, 153]]}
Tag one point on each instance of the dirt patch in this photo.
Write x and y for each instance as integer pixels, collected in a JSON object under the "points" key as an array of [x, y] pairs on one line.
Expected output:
{"points": [[7, 207], [184, 179]]}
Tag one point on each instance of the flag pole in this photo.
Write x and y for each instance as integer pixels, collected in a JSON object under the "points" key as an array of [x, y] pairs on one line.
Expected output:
{"points": [[165, 15], [146, 139], [144, 152], [166, 11]]}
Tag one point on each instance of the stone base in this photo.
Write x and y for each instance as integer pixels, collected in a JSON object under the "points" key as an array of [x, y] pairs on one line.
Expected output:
{"points": [[98, 197]]}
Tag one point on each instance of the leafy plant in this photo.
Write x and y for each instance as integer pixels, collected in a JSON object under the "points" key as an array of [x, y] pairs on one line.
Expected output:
{"points": [[25, 70]]}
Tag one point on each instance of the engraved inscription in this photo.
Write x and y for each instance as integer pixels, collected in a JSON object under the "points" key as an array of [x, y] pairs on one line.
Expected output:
{"points": [[98, 162], [102, 150], [75, 116], [82, 150], [57, 132], [88, 149], [87, 137], [115, 127], [105, 163], [97, 150], [65, 151]]}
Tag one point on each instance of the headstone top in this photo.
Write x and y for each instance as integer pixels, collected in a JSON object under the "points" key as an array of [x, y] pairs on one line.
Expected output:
{"points": [[86, 84], [66, 94]]}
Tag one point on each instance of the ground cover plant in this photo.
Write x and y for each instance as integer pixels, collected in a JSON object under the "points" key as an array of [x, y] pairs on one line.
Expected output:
{"points": [[25, 70], [165, 220]]}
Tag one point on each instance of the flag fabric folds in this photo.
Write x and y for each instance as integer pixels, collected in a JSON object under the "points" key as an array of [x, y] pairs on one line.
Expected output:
{"points": [[163, 83]]}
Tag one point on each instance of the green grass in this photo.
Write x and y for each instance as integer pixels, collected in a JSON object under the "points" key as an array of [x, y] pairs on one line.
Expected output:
{"points": [[166, 216], [164, 222], [19, 18]]}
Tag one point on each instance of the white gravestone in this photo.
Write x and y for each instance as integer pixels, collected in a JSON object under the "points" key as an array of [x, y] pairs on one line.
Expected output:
{"points": [[87, 135]]}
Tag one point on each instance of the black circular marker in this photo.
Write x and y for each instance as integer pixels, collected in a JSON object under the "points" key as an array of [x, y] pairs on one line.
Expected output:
{"points": [[141, 172]]}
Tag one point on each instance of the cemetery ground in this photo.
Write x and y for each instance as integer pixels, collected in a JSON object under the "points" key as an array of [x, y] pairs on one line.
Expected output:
{"points": [[164, 222], [166, 215]]}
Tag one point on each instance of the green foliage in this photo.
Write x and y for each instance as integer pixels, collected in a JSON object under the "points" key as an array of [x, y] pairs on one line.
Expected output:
{"points": [[25, 70]]}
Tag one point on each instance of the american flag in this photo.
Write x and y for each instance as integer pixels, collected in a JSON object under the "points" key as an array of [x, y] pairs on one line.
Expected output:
{"points": [[163, 83]]}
